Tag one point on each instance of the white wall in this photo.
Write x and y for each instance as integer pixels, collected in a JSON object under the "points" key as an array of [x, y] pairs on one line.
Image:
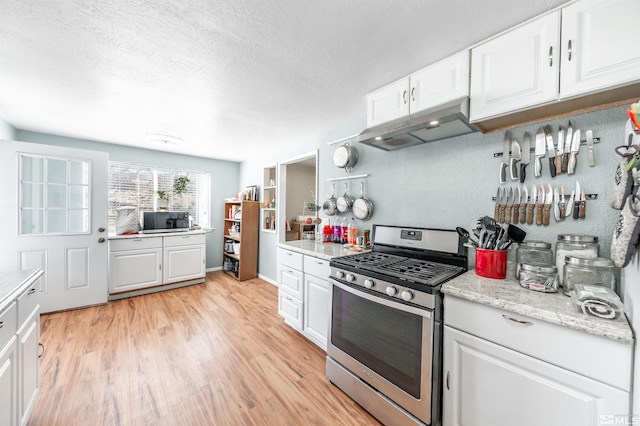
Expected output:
{"points": [[7, 131]]}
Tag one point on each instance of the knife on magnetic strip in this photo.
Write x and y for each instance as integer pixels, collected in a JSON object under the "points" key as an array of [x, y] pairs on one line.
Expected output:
{"points": [[540, 205], [526, 155], [532, 205]]}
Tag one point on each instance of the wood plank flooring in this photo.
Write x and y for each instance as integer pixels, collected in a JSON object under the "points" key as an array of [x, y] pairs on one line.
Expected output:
{"points": [[216, 353]]}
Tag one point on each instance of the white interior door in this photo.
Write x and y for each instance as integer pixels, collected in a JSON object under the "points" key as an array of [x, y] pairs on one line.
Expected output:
{"points": [[54, 209]]}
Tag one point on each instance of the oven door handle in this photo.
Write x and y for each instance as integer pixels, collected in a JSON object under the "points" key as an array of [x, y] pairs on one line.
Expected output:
{"points": [[423, 312]]}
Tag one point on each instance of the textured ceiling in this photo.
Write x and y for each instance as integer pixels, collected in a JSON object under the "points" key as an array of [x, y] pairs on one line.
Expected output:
{"points": [[231, 77]]}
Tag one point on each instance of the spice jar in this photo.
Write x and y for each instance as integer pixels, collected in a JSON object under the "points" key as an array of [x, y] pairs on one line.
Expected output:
{"points": [[539, 277], [577, 245], [597, 271], [533, 252]]}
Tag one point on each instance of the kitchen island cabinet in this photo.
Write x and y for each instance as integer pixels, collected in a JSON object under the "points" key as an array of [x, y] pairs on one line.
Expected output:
{"points": [[19, 343], [514, 355], [144, 263], [304, 289]]}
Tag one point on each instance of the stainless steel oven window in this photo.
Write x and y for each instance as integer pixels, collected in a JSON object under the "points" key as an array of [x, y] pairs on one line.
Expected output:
{"points": [[386, 340]]}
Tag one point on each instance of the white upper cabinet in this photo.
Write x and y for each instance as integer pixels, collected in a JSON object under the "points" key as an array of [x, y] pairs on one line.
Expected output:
{"points": [[437, 84], [584, 48], [388, 103], [599, 45], [517, 69], [442, 82]]}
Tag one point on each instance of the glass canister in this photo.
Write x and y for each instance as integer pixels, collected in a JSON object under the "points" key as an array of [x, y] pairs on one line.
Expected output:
{"points": [[577, 245], [596, 271], [539, 277], [533, 252]]}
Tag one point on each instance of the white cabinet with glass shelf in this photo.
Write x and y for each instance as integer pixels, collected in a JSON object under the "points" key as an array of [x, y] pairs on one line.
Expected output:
{"points": [[268, 208]]}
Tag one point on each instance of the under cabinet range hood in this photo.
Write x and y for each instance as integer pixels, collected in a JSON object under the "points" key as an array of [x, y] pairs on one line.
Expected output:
{"points": [[441, 122]]}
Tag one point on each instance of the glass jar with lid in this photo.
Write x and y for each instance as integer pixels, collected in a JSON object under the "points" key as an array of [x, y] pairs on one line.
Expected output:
{"points": [[533, 252], [577, 245], [539, 277], [596, 271]]}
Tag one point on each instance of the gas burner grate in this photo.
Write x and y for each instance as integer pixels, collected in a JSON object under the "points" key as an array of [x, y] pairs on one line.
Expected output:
{"points": [[371, 259], [420, 269]]}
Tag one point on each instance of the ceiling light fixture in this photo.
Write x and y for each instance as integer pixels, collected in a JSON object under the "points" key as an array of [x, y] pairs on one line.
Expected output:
{"points": [[164, 138]]}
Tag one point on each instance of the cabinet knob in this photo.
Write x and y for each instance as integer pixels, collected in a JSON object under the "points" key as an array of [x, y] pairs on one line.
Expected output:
{"points": [[551, 56], [31, 291], [447, 382], [1, 324], [569, 50], [101, 229], [101, 240], [516, 320]]}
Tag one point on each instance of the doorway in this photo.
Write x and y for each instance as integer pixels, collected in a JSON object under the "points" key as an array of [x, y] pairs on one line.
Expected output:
{"points": [[297, 187]]}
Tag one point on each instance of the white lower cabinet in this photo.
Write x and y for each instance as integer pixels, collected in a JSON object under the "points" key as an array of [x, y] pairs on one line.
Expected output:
{"points": [[142, 263], [304, 294], [134, 263], [19, 360], [184, 258], [8, 366], [490, 382]]}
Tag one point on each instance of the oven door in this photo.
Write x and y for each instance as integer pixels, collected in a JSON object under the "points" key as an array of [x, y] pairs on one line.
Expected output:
{"points": [[386, 344]]}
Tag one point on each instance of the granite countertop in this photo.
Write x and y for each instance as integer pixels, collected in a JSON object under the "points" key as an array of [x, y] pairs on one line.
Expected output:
{"points": [[12, 283], [325, 251], [157, 234], [555, 308]]}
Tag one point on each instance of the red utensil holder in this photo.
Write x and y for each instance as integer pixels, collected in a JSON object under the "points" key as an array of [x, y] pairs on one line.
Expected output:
{"points": [[491, 263]]}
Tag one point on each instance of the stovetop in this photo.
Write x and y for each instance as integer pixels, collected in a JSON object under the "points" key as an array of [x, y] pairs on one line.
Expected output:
{"points": [[394, 267]]}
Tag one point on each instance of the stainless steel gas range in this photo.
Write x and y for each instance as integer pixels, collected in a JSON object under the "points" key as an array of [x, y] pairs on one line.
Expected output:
{"points": [[385, 332]]}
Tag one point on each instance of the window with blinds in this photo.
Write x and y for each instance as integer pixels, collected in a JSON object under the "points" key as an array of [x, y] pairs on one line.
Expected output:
{"points": [[136, 185]]}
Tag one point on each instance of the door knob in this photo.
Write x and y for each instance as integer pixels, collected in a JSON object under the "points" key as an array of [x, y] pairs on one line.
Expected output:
{"points": [[101, 240], [101, 229]]}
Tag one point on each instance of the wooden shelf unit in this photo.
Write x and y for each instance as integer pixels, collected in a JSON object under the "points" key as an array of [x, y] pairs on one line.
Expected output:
{"points": [[247, 261]]}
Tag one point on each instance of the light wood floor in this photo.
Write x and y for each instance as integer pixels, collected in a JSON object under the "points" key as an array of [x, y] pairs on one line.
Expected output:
{"points": [[210, 354]]}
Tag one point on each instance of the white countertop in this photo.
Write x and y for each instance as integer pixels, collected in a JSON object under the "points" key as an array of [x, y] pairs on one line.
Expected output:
{"points": [[157, 234], [555, 308], [12, 283], [325, 251]]}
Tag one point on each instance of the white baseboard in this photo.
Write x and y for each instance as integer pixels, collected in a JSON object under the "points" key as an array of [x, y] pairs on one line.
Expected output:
{"points": [[267, 279]]}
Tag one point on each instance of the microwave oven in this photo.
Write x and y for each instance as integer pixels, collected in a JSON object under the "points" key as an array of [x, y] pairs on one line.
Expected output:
{"points": [[165, 222]]}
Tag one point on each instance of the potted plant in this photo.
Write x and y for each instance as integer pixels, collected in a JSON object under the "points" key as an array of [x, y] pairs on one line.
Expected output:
{"points": [[180, 185], [163, 200]]}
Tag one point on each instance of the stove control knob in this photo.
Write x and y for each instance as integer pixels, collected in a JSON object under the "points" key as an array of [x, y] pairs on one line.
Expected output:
{"points": [[406, 295], [391, 291], [339, 274], [351, 278], [368, 283]]}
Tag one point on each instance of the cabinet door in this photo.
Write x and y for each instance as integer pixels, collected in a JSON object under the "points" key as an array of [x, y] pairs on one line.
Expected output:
{"points": [[134, 269], [290, 309], [183, 263], [599, 45], [8, 383], [516, 70], [388, 103], [442, 82], [290, 281], [29, 365], [488, 384], [316, 309]]}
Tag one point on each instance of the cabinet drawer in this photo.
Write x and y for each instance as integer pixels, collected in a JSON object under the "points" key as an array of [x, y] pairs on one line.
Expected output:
{"points": [[290, 258], [135, 243], [290, 281], [27, 302], [603, 359], [290, 309], [8, 324], [316, 267], [184, 240]]}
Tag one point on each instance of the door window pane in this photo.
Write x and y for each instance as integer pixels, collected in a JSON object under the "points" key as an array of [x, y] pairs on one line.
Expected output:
{"points": [[32, 168], [32, 195], [31, 221], [78, 172], [56, 221], [54, 195], [56, 170]]}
